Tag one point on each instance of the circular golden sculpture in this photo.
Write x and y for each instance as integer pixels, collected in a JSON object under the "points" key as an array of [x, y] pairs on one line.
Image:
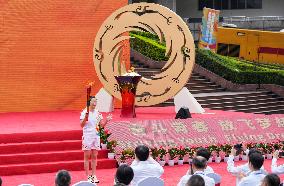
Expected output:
{"points": [[158, 20]]}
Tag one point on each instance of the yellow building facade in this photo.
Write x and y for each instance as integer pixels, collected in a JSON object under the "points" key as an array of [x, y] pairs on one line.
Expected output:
{"points": [[252, 45]]}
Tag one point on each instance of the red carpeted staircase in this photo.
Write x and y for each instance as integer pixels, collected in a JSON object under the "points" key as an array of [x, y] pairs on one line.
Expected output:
{"points": [[43, 152]]}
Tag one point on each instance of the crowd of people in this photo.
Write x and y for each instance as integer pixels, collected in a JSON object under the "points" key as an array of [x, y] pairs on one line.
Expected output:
{"points": [[144, 166]]}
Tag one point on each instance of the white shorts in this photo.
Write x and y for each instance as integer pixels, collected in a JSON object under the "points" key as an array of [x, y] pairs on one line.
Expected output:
{"points": [[90, 142]]}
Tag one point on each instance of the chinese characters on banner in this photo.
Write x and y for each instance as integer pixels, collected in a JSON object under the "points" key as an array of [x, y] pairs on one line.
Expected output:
{"points": [[197, 132], [209, 29]]}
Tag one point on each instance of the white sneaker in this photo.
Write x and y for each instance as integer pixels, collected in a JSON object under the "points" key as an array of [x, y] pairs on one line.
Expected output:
{"points": [[90, 179], [95, 179]]}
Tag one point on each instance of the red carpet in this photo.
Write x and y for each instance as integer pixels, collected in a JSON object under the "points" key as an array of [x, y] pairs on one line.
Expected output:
{"points": [[171, 176], [31, 122]]}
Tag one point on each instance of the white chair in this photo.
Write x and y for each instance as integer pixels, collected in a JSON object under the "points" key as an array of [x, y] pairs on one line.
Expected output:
{"points": [[84, 183], [153, 181], [216, 177]]}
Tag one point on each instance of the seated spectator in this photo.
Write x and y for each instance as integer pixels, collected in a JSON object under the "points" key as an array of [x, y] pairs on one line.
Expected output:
{"points": [[271, 180], [198, 166], [195, 180], [241, 170], [256, 176], [144, 166], [203, 152], [124, 175], [274, 168], [62, 178]]}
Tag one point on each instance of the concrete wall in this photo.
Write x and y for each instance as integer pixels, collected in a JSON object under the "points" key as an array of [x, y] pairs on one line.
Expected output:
{"points": [[189, 8]]}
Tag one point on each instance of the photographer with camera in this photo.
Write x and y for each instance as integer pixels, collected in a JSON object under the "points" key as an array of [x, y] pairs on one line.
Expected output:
{"points": [[255, 176], [241, 170]]}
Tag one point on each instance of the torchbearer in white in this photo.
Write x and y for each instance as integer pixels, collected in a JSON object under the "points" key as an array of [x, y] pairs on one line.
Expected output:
{"points": [[91, 120]]}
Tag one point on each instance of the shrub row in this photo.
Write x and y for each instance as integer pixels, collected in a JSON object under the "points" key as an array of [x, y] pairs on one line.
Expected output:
{"points": [[229, 68], [237, 71], [148, 47]]}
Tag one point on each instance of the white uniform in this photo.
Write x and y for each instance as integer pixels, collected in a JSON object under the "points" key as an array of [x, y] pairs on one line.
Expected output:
{"points": [[145, 169], [254, 179], [91, 136], [241, 169], [208, 170], [208, 181], [276, 169]]}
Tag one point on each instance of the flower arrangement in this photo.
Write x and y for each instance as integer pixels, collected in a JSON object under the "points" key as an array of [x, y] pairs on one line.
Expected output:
{"points": [[251, 145], [162, 152], [226, 148], [173, 152], [111, 145], [181, 152], [126, 154], [222, 150], [155, 153], [269, 148], [104, 135], [261, 147], [277, 145], [190, 151]]}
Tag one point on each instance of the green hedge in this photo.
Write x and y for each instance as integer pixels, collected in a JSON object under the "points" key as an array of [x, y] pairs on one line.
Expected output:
{"points": [[148, 47], [237, 71], [232, 69], [146, 34]]}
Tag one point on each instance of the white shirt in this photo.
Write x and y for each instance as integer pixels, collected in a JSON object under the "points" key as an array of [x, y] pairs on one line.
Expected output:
{"points": [[208, 181], [93, 120], [254, 179], [241, 169], [275, 169], [145, 169], [206, 171]]}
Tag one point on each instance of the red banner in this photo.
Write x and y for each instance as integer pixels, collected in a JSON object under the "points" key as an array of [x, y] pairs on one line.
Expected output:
{"points": [[198, 132]]}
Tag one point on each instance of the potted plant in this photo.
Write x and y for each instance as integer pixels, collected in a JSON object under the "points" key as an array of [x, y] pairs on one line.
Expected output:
{"points": [[162, 152], [226, 148], [104, 135], [261, 148], [181, 152], [155, 153], [173, 154], [217, 157], [212, 150], [111, 145], [190, 152], [269, 150], [127, 156]]}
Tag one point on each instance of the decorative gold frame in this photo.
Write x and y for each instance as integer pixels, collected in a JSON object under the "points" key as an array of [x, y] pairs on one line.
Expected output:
{"points": [[156, 19]]}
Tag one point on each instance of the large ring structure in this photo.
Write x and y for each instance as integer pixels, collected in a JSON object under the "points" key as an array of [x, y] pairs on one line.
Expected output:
{"points": [[158, 20]]}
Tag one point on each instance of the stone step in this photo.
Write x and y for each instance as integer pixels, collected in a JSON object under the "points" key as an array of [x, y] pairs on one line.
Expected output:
{"points": [[245, 105], [206, 103], [251, 109], [213, 96]]}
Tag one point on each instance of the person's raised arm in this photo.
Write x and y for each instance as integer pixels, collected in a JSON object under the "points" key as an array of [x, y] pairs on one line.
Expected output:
{"points": [[103, 123]]}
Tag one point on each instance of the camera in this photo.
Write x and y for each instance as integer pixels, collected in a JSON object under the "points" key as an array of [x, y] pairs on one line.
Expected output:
{"points": [[238, 148]]}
